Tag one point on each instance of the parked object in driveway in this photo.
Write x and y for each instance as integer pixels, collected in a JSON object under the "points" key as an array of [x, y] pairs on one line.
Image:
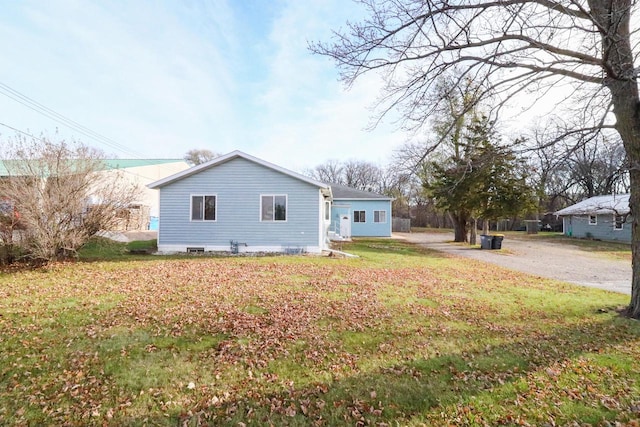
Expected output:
{"points": [[486, 241], [491, 241], [496, 242]]}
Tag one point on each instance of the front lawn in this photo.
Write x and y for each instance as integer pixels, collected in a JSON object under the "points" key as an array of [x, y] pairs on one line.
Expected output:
{"points": [[399, 336]]}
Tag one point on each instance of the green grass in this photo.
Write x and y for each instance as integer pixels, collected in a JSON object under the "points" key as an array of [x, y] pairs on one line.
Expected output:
{"points": [[99, 248], [398, 336]]}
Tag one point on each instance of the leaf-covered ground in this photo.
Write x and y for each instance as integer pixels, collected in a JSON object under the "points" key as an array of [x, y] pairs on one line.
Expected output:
{"points": [[400, 336]]}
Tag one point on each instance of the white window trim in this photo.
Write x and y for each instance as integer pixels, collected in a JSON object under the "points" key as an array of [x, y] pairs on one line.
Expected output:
{"points": [[286, 208], [354, 216], [595, 221], [378, 211], [615, 223], [191, 196]]}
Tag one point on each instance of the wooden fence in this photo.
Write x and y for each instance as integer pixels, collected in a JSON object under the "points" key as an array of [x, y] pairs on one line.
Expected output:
{"points": [[401, 225]]}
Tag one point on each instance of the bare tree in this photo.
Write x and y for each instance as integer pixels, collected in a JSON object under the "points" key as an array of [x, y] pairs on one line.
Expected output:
{"points": [[599, 168], [575, 168], [198, 156], [363, 175], [331, 172], [59, 196], [511, 47], [356, 174]]}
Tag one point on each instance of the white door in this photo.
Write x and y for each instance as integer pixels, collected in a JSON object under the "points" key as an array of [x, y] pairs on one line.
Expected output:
{"points": [[345, 225]]}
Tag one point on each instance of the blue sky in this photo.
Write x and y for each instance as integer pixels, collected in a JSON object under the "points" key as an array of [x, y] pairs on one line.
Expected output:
{"points": [[159, 78]]}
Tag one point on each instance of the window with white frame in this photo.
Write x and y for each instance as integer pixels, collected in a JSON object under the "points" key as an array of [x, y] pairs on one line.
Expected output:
{"points": [[273, 207], [593, 219], [327, 211], [359, 216], [203, 207], [618, 222], [379, 216]]}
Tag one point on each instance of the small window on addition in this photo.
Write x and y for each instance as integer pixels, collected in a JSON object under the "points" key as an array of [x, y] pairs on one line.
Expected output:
{"points": [[593, 219], [359, 216], [379, 216], [618, 223]]}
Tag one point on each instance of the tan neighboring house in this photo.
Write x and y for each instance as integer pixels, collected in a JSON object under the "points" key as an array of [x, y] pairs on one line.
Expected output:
{"points": [[143, 213]]}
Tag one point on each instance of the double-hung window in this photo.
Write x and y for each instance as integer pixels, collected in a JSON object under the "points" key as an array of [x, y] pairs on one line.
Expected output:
{"points": [[273, 207], [379, 216], [618, 222], [359, 216], [203, 207], [593, 219]]}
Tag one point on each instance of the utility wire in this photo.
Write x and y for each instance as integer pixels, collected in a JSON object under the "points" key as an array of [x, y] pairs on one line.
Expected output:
{"points": [[22, 132], [48, 112], [107, 167]]}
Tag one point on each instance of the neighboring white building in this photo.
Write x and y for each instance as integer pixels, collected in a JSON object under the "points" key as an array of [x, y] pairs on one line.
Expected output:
{"points": [[143, 213], [141, 172]]}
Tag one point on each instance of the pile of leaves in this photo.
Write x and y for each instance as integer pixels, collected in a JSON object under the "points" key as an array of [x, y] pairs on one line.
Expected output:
{"points": [[400, 336]]}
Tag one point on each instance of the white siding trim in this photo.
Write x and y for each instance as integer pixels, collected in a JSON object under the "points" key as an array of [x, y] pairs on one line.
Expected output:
{"points": [[171, 249]]}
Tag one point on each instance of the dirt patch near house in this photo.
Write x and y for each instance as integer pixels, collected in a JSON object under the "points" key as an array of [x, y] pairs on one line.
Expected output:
{"points": [[540, 258]]}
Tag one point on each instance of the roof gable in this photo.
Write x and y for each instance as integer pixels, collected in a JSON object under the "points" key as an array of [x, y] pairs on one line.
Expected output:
{"points": [[228, 157], [342, 192], [609, 204]]}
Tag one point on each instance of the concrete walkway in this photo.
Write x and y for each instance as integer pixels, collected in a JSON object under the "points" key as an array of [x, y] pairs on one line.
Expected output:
{"points": [[540, 258]]}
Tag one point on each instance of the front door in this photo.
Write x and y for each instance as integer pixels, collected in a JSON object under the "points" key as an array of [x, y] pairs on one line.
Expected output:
{"points": [[345, 226]]}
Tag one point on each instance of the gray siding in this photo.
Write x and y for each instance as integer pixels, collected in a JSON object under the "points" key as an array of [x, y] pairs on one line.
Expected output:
{"points": [[578, 226], [238, 185]]}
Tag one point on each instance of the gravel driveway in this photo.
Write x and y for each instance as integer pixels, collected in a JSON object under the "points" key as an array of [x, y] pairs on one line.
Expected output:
{"points": [[544, 259]]}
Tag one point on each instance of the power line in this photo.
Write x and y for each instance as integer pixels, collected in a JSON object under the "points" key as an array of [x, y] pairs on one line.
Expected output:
{"points": [[22, 132], [54, 115], [107, 167]]}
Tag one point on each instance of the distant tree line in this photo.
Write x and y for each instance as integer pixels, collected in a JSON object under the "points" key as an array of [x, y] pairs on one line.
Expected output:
{"points": [[466, 175]]}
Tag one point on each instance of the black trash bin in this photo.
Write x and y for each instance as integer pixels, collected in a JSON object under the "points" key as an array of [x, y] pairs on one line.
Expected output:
{"points": [[486, 241], [496, 242]]}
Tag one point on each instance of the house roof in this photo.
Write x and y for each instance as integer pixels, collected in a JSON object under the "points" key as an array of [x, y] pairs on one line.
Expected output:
{"points": [[342, 192], [609, 204], [108, 163], [228, 157], [132, 163]]}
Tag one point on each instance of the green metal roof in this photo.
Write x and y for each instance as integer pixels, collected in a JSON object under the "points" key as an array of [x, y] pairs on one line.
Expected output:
{"points": [[109, 163], [133, 163]]}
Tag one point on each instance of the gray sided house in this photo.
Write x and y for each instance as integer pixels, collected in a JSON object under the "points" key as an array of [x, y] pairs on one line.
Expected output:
{"points": [[240, 202], [599, 217], [360, 213]]}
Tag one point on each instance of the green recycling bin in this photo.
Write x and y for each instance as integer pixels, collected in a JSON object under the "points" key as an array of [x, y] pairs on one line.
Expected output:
{"points": [[496, 242], [486, 241]]}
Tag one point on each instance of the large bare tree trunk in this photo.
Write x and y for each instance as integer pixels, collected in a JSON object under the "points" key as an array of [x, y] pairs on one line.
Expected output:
{"points": [[634, 202], [613, 18]]}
